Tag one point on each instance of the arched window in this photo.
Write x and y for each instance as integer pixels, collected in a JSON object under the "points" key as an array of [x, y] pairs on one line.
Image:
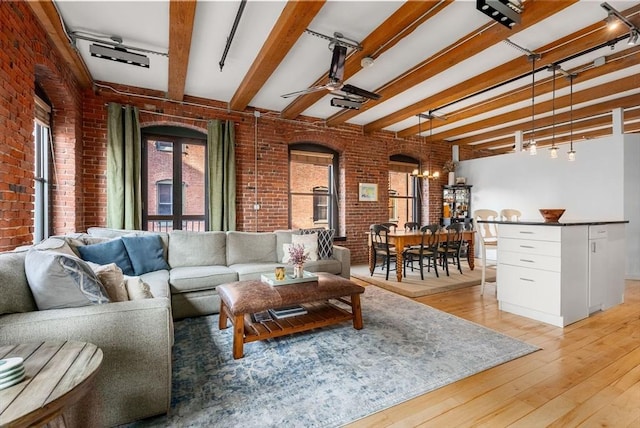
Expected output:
{"points": [[313, 184], [174, 155]]}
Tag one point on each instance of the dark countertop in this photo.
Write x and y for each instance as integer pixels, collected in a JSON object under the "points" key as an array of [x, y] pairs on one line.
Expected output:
{"points": [[559, 223]]}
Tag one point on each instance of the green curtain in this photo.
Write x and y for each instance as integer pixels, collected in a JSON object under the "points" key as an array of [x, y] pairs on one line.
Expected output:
{"points": [[221, 174], [124, 200]]}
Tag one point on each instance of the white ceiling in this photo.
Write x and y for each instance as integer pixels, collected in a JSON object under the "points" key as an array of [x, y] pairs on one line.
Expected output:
{"points": [[145, 24]]}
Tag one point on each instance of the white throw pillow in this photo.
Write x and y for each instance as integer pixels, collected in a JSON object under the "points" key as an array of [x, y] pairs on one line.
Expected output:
{"points": [[310, 244], [137, 288]]}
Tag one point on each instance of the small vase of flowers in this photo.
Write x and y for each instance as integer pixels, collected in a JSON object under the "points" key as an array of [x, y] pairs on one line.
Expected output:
{"points": [[297, 257]]}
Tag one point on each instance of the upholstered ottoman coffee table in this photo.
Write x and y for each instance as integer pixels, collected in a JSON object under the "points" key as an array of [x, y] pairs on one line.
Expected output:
{"points": [[241, 299]]}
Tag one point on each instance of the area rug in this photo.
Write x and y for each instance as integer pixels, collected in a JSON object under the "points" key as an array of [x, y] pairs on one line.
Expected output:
{"points": [[327, 377], [413, 286]]}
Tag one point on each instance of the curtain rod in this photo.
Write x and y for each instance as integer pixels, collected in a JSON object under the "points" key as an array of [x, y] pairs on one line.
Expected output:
{"points": [[166, 114]]}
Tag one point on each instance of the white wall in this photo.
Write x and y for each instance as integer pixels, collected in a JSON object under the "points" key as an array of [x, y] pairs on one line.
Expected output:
{"points": [[601, 184]]}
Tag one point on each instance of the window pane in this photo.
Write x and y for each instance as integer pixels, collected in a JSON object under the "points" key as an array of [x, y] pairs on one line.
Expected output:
{"points": [[159, 178], [193, 194], [402, 201], [308, 209]]}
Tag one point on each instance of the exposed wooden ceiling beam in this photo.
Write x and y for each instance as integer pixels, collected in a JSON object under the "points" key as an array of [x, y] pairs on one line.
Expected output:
{"points": [[399, 25], [462, 49], [293, 20], [616, 62], [181, 17], [48, 16]]}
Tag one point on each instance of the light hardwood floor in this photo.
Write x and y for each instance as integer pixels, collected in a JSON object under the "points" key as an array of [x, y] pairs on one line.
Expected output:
{"points": [[586, 375]]}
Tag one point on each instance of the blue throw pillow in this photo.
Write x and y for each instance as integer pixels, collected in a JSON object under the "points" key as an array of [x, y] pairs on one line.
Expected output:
{"points": [[146, 253], [108, 252]]}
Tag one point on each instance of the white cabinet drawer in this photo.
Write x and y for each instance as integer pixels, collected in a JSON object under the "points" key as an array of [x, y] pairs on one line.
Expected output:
{"points": [[522, 231], [538, 290], [533, 261], [598, 231], [546, 248]]}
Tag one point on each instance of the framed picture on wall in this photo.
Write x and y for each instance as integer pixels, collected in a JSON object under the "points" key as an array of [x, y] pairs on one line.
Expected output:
{"points": [[368, 192]]}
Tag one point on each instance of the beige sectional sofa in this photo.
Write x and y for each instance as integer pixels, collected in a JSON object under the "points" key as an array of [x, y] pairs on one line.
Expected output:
{"points": [[136, 336]]}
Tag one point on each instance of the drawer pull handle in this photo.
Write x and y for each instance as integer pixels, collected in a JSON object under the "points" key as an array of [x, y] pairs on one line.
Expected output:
{"points": [[526, 232], [528, 261], [527, 246], [527, 279]]}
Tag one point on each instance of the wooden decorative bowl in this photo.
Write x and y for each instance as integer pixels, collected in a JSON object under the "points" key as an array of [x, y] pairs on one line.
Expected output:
{"points": [[551, 215]]}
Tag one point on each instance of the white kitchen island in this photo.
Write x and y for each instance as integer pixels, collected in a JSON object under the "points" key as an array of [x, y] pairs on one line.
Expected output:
{"points": [[559, 273]]}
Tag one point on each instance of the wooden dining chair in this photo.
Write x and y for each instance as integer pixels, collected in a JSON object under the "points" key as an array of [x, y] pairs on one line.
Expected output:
{"points": [[411, 225], [381, 248], [487, 237], [428, 249], [391, 226], [450, 248]]}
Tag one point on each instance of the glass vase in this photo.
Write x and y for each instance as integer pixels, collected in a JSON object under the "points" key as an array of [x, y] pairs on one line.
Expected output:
{"points": [[298, 271]]}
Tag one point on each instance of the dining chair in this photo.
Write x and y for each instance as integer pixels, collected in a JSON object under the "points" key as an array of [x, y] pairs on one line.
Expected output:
{"points": [[411, 225], [380, 247], [510, 214], [428, 249], [487, 237], [391, 226], [451, 247]]}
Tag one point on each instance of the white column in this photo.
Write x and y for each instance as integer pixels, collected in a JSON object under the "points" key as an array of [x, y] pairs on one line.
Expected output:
{"points": [[518, 136], [455, 153], [617, 119]]}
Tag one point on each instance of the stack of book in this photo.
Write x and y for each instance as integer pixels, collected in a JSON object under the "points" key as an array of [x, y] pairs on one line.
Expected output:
{"points": [[288, 311]]}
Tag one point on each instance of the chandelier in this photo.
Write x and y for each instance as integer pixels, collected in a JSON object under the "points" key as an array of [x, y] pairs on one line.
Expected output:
{"points": [[427, 174]]}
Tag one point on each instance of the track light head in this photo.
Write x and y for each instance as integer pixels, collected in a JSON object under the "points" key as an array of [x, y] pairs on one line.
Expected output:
{"points": [[633, 38]]}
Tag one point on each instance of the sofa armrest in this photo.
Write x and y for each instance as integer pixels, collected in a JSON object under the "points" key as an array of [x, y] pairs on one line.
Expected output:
{"points": [[343, 254], [134, 380]]}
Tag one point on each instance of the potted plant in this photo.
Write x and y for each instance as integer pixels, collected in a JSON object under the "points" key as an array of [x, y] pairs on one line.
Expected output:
{"points": [[297, 257]]}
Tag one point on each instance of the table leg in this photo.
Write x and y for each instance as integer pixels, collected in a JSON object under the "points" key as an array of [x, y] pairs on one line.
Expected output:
{"points": [[238, 336], [471, 253], [356, 310], [399, 263]]}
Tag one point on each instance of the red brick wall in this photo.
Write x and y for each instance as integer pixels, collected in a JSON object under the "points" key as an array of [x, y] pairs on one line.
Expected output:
{"points": [[80, 139], [26, 57]]}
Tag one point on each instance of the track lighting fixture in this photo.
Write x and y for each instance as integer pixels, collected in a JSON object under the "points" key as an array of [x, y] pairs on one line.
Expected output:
{"points": [[506, 12], [633, 38], [613, 17]]}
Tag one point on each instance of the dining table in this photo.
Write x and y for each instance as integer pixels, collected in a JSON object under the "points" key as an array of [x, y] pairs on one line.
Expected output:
{"points": [[403, 238]]}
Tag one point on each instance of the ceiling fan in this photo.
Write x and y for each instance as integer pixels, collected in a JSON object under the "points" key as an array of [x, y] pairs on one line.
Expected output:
{"points": [[336, 73]]}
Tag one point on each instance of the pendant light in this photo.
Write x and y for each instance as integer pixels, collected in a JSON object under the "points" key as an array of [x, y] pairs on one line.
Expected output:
{"points": [[553, 151], [427, 172], [416, 172], [533, 149], [571, 152], [435, 174]]}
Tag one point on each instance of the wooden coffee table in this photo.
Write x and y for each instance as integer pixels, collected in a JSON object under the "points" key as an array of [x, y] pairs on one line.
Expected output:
{"points": [[58, 374], [241, 299]]}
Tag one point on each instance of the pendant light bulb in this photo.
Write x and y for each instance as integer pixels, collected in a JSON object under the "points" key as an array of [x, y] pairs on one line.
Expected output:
{"points": [[415, 172], [436, 174], [553, 152], [572, 155], [533, 148]]}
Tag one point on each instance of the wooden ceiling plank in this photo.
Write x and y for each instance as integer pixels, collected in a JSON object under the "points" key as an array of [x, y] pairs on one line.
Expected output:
{"points": [[615, 62], [181, 18], [399, 25], [294, 19], [47, 14], [461, 50]]}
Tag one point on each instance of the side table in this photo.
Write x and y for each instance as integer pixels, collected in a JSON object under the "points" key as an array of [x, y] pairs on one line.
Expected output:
{"points": [[58, 374]]}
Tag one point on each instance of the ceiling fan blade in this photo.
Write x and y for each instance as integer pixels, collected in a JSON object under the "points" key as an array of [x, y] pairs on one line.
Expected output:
{"points": [[350, 89], [304, 91]]}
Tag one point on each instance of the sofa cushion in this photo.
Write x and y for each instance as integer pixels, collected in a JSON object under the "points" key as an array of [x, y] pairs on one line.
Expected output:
{"points": [[247, 271], [137, 289], [158, 283], [146, 253], [308, 241], [251, 247], [61, 281], [282, 237], [14, 288], [197, 248], [194, 278], [112, 251]]}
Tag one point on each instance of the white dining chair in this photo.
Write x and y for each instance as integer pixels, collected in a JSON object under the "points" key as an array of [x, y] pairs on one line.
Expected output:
{"points": [[510, 214], [487, 236]]}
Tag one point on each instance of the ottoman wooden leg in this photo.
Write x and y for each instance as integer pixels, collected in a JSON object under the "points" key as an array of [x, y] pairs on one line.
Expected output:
{"points": [[222, 321], [356, 310], [238, 336]]}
